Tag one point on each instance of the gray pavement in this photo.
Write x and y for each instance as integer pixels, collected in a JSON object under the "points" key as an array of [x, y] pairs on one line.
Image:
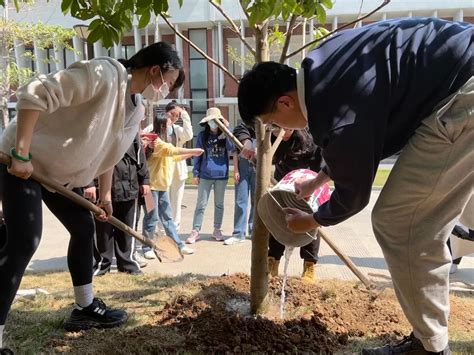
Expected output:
{"points": [[354, 237]]}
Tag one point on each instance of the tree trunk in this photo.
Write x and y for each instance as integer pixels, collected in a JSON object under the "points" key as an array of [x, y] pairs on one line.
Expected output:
{"points": [[259, 269]]}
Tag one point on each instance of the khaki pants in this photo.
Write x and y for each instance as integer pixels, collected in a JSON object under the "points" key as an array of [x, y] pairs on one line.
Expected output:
{"points": [[427, 190]]}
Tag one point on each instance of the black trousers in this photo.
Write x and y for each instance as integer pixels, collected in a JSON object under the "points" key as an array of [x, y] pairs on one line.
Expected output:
{"points": [[308, 253], [21, 235], [110, 240]]}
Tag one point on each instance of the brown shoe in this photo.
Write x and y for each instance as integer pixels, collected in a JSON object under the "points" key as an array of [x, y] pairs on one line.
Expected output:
{"points": [[273, 265], [309, 272]]}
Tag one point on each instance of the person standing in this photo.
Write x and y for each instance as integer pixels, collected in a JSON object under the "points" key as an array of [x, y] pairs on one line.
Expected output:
{"points": [[245, 175], [296, 151], [367, 93], [161, 165], [179, 136], [72, 126], [130, 180], [211, 170]]}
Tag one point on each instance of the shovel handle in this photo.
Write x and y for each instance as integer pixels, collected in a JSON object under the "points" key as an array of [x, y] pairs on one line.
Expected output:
{"points": [[81, 201], [360, 275]]}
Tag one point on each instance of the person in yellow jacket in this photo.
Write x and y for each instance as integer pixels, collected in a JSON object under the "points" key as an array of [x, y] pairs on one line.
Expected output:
{"points": [[161, 166]]}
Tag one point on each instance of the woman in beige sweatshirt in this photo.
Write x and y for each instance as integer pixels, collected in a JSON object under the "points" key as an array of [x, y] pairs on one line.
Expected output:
{"points": [[72, 126]]}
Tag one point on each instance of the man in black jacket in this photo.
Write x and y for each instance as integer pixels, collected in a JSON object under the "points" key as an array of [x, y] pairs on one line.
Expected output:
{"points": [[245, 178], [366, 94], [131, 179]]}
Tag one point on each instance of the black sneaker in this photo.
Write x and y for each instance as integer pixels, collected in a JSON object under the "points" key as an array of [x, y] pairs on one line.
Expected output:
{"points": [[410, 345], [6, 351], [96, 315]]}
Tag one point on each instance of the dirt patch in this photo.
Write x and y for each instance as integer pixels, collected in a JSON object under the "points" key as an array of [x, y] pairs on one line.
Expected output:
{"points": [[326, 317]]}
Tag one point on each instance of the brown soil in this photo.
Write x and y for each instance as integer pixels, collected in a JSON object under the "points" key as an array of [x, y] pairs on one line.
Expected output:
{"points": [[326, 317]]}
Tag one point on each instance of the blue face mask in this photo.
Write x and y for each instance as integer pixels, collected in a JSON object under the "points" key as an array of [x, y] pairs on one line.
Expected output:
{"points": [[169, 130]]}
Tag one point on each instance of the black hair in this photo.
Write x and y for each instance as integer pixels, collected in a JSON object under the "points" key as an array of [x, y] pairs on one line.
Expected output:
{"points": [[207, 132], [261, 86], [301, 146], [159, 53], [171, 105], [160, 122]]}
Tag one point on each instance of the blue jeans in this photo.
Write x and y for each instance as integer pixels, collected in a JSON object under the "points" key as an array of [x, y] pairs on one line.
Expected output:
{"points": [[204, 190], [245, 187], [161, 212]]}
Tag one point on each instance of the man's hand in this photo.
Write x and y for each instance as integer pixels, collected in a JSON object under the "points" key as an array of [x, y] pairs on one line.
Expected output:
{"points": [[195, 180], [21, 169], [298, 221], [90, 193], [144, 189], [304, 187], [248, 151]]}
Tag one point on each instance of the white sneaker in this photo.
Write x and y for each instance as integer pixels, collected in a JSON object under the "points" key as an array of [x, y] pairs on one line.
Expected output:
{"points": [[234, 240], [187, 250], [137, 256], [453, 269], [150, 254]]}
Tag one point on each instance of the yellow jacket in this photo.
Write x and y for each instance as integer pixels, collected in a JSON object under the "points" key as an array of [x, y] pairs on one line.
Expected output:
{"points": [[161, 165]]}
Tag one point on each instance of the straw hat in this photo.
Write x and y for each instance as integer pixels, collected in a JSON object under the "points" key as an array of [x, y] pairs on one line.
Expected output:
{"points": [[212, 113]]}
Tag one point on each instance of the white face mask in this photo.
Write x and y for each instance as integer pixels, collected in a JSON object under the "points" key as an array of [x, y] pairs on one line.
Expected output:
{"points": [[212, 124], [154, 95]]}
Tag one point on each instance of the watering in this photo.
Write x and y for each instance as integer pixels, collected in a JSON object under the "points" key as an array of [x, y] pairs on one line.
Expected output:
{"points": [[288, 253], [282, 195]]}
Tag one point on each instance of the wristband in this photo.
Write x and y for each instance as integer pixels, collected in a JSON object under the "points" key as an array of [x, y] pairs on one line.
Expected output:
{"points": [[19, 157], [104, 203]]}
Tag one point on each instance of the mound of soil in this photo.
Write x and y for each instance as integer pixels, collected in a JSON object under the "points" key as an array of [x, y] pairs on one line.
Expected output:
{"points": [[316, 320], [213, 316]]}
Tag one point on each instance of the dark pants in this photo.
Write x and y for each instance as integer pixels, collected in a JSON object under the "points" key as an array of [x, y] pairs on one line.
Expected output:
{"points": [[19, 239], [308, 253], [110, 240]]}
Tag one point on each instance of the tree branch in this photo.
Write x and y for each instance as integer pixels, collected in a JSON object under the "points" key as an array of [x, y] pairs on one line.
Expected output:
{"points": [[233, 26], [286, 45], [385, 3], [244, 10], [187, 40], [277, 142]]}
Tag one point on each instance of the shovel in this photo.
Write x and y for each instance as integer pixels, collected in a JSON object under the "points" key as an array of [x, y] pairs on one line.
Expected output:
{"points": [[164, 247]]}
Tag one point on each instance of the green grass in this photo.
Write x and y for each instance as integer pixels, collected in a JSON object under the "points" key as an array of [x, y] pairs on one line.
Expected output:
{"points": [[380, 178]]}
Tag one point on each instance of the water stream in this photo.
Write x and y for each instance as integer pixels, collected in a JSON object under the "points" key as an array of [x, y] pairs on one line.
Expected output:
{"points": [[288, 252]]}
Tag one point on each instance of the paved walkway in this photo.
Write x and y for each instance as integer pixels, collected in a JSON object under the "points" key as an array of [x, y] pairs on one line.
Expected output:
{"points": [[354, 237]]}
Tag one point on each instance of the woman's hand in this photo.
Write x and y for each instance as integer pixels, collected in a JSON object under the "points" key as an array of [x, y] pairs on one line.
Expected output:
{"points": [[21, 169], [107, 208], [298, 221], [195, 180], [91, 193], [144, 189], [197, 152], [236, 177]]}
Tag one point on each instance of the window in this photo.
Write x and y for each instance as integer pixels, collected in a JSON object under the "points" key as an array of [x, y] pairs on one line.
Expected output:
{"points": [[68, 57], [198, 81], [128, 51], [29, 62]]}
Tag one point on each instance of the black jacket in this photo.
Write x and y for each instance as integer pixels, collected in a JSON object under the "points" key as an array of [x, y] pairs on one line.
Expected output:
{"points": [[130, 173], [243, 132]]}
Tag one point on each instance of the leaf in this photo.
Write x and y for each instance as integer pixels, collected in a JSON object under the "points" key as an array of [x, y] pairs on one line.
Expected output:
{"points": [[95, 34], [180, 3], [144, 19], [66, 5], [328, 3], [320, 14], [94, 24]]}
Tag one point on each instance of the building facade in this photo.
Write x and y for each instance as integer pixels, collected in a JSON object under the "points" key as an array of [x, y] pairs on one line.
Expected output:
{"points": [[203, 24]]}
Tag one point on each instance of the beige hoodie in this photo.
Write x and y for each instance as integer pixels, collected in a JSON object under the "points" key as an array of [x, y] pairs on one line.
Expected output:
{"points": [[86, 124]]}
